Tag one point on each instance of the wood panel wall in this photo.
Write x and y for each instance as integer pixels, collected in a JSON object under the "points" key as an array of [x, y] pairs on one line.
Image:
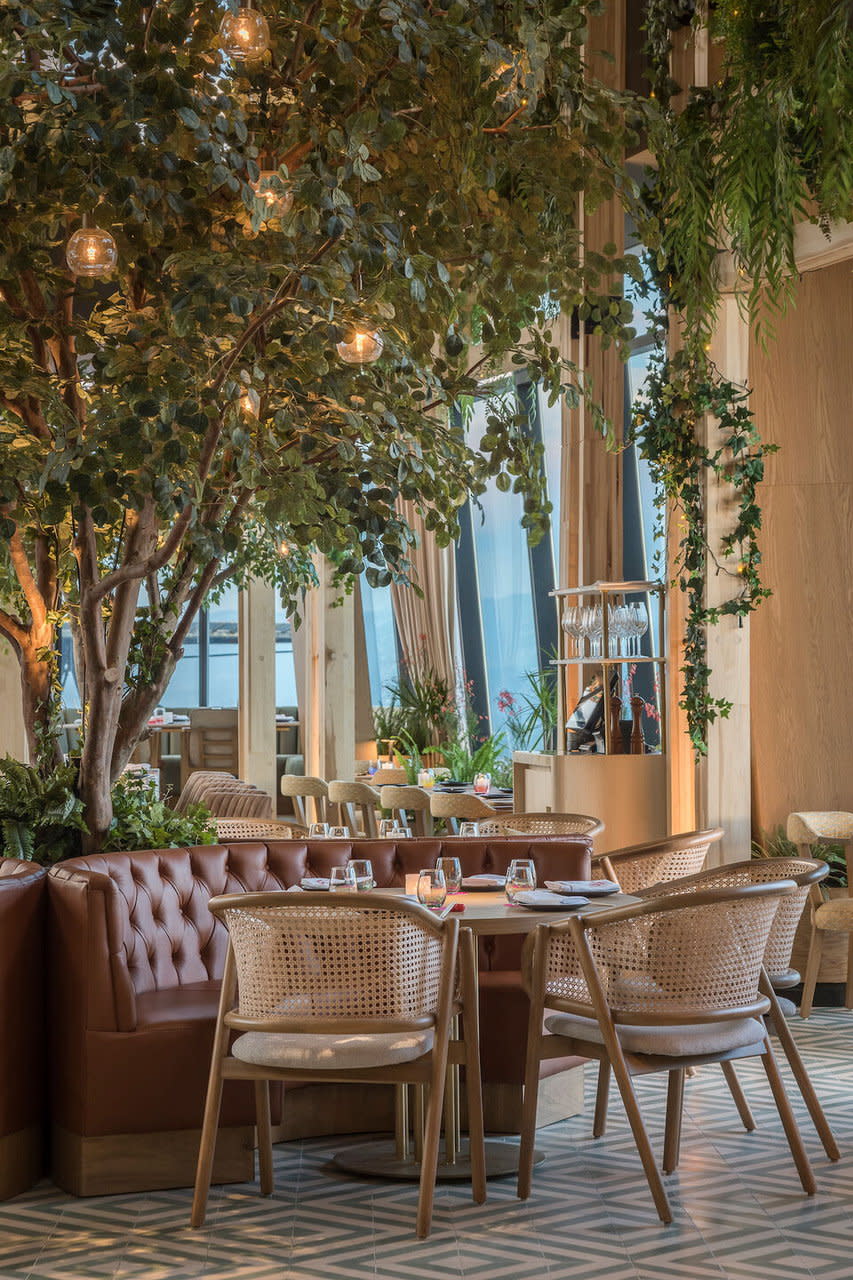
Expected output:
{"points": [[802, 638]]}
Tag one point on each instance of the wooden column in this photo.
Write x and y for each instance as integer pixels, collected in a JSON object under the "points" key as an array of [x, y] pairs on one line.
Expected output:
{"points": [[328, 710], [256, 720], [724, 776]]}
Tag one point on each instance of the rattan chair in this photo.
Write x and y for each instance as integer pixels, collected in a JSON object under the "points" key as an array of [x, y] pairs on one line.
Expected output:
{"points": [[389, 776], [806, 873], [544, 824], [228, 829], [403, 801], [347, 987], [356, 800], [641, 865], [242, 801], [301, 790], [456, 807], [807, 830], [664, 984], [197, 782]]}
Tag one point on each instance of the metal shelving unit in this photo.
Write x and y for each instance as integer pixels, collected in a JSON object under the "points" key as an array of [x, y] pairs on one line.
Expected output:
{"points": [[609, 595]]}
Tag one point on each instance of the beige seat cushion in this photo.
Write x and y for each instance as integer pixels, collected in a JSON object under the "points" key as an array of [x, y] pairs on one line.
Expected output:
{"points": [[306, 1052], [837, 914], [669, 1041]]}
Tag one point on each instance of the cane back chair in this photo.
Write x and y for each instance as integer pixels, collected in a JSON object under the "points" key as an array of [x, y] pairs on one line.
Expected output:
{"points": [[806, 873], [543, 824], [664, 984], [641, 865], [347, 987]]}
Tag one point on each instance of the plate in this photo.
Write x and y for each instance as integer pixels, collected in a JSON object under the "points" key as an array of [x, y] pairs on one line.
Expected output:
{"points": [[483, 884], [314, 884], [591, 888], [544, 900]]}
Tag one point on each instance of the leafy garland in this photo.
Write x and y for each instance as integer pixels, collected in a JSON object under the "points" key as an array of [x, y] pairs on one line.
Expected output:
{"points": [[747, 154]]}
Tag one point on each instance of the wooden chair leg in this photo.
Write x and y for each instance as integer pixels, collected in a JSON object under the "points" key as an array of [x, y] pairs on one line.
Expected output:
{"points": [[527, 1137], [473, 1080], [262, 1114], [812, 968], [432, 1137], [798, 1068], [602, 1096], [672, 1130], [207, 1147], [738, 1095], [641, 1138], [848, 991], [789, 1124]]}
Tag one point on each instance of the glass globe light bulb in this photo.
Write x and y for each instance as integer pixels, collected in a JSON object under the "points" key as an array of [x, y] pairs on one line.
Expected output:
{"points": [[274, 193], [91, 252], [363, 348], [244, 35]]}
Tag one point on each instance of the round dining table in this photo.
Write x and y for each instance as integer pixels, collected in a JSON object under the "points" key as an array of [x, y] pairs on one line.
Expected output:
{"points": [[485, 912]]}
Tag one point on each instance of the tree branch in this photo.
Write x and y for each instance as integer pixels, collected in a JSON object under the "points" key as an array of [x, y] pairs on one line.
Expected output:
{"points": [[14, 629], [27, 582]]}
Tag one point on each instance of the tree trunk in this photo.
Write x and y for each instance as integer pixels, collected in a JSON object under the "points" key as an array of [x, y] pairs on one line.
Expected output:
{"points": [[37, 696]]}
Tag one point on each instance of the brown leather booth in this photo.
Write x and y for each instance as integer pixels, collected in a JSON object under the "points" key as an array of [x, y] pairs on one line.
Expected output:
{"points": [[22, 1025], [136, 962]]}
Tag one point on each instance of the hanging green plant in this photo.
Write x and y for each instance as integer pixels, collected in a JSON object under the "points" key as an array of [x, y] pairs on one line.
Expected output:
{"points": [[738, 165]]}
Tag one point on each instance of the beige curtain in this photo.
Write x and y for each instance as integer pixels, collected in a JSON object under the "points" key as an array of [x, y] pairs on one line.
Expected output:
{"points": [[427, 624]]}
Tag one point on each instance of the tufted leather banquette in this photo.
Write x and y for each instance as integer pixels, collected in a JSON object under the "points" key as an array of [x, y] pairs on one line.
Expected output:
{"points": [[136, 965], [22, 1020]]}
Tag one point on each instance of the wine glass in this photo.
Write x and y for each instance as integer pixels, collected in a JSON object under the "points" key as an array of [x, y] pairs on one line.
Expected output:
{"points": [[432, 889], [521, 876], [452, 869], [342, 879], [640, 622], [363, 872], [318, 831]]}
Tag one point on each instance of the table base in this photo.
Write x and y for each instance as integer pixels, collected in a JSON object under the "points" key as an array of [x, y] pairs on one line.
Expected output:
{"points": [[380, 1160]]}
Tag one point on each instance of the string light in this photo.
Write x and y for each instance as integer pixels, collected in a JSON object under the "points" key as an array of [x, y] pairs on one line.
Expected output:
{"points": [[250, 402], [363, 347], [244, 35], [91, 251]]}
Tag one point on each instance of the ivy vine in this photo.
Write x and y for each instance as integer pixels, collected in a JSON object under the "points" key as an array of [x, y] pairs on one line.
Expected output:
{"points": [[737, 166]]}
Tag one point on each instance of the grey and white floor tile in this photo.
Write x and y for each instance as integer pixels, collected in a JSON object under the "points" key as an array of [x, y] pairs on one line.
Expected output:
{"points": [[739, 1210]]}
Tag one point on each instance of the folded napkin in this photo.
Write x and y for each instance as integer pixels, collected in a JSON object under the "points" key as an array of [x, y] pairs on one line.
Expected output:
{"points": [[314, 883], [592, 888], [483, 882], [543, 900]]}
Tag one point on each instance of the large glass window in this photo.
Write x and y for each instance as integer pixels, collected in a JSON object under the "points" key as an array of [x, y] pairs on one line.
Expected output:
{"points": [[223, 682], [183, 690], [380, 639], [285, 671]]}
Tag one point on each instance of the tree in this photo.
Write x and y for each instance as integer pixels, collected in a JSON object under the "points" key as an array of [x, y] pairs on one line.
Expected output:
{"points": [[404, 166]]}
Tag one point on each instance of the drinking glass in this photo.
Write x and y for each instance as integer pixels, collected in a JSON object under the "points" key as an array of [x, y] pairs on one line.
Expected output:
{"points": [[469, 829], [342, 878], [482, 782], [400, 833], [520, 876], [426, 778], [452, 869], [432, 889], [386, 827], [363, 872], [339, 833], [318, 830]]}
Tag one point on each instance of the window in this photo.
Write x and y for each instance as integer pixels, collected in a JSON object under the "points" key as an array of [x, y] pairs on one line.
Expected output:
{"points": [[507, 617], [380, 637]]}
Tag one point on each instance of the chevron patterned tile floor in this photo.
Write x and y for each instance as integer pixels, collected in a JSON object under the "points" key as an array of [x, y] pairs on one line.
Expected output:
{"points": [[739, 1211]]}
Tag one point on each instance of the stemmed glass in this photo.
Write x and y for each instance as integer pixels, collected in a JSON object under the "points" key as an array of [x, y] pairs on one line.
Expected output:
{"points": [[640, 617]]}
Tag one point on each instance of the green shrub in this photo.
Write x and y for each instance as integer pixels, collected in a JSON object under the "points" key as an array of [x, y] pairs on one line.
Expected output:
{"points": [[142, 821], [41, 817], [775, 844]]}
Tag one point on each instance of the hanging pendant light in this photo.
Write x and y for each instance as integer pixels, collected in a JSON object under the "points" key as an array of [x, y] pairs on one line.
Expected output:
{"points": [[363, 347], [91, 251], [244, 35], [275, 195]]}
